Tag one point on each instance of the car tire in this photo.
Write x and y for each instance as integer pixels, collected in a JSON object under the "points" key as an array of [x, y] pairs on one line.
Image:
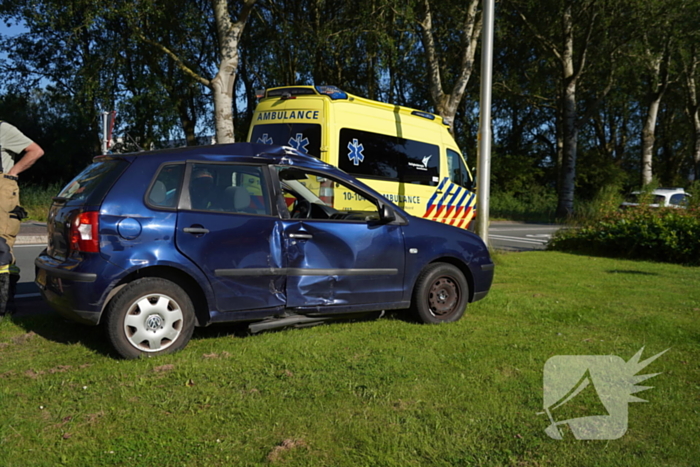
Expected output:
{"points": [[440, 295], [149, 316]]}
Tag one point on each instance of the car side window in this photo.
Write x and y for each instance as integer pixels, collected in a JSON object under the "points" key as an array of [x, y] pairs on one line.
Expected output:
{"points": [[165, 190], [308, 195], [228, 188]]}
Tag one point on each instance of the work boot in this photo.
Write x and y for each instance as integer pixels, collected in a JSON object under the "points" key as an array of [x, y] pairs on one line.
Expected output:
{"points": [[4, 292]]}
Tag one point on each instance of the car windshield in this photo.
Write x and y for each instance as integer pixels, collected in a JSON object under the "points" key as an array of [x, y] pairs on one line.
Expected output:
{"points": [[299, 188]]}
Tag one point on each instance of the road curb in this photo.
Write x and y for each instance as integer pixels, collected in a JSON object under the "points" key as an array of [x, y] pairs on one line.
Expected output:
{"points": [[32, 240]]}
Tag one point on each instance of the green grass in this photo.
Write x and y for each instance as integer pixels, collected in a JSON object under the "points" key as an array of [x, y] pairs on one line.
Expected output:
{"points": [[387, 392]]}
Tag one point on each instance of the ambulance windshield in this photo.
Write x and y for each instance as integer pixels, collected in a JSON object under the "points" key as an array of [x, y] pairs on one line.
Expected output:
{"points": [[304, 137], [458, 171]]}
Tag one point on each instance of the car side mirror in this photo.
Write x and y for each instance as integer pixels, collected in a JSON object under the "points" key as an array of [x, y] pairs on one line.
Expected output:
{"points": [[386, 214]]}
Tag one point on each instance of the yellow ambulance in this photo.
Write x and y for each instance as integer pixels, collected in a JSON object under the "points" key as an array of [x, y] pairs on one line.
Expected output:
{"points": [[407, 155]]}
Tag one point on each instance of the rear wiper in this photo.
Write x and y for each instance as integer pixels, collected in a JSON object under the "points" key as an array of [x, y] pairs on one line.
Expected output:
{"points": [[60, 199]]}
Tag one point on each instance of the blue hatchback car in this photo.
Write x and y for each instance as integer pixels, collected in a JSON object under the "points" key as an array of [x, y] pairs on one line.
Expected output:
{"points": [[150, 245]]}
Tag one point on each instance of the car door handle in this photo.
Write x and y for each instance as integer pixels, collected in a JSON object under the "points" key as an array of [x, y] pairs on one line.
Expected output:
{"points": [[196, 230], [301, 235]]}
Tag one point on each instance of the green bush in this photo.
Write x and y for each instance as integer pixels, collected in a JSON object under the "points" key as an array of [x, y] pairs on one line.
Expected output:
{"points": [[606, 202], [536, 205], [37, 199], [666, 235]]}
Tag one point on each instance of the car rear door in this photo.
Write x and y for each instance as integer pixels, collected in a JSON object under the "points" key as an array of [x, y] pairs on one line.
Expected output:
{"points": [[227, 229]]}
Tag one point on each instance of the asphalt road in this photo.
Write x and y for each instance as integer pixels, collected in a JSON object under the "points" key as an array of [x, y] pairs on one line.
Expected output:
{"points": [[516, 236], [27, 297]]}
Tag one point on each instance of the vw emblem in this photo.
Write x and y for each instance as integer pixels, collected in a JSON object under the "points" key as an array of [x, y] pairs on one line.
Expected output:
{"points": [[154, 322]]}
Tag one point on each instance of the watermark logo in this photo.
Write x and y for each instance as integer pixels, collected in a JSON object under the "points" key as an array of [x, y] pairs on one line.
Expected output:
{"points": [[589, 394]]}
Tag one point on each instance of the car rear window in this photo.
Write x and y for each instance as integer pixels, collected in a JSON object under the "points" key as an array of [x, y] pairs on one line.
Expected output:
{"points": [[91, 185]]}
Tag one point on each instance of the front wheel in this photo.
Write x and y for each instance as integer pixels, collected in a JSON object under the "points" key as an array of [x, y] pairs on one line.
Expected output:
{"points": [[440, 295], [149, 316]]}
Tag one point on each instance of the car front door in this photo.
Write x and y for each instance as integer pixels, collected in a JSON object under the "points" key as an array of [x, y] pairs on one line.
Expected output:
{"points": [[225, 226], [338, 260]]}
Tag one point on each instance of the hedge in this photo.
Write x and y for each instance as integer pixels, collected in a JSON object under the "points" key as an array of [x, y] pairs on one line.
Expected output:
{"points": [[667, 235]]}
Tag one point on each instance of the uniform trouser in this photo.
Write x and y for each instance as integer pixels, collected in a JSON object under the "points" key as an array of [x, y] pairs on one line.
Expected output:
{"points": [[9, 228]]}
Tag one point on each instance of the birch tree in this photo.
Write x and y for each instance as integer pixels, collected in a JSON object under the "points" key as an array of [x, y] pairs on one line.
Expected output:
{"points": [[228, 30], [657, 66], [447, 102], [576, 35], [690, 68]]}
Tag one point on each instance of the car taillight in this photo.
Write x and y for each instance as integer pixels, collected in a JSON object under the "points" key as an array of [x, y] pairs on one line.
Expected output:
{"points": [[83, 232]]}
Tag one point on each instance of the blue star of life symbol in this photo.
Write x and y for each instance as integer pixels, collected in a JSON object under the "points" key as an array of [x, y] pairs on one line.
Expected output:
{"points": [[299, 143], [355, 154], [265, 139]]}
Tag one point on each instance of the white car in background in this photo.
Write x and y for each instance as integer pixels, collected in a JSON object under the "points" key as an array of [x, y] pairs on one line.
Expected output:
{"points": [[660, 198]]}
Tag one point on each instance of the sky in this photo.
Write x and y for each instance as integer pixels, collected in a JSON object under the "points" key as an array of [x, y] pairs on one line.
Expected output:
{"points": [[12, 30]]}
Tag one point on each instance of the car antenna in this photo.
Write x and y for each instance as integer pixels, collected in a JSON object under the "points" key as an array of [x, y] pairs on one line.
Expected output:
{"points": [[139, 148]]}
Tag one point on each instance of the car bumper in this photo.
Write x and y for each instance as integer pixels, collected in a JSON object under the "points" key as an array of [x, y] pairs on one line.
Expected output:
{"points": [[482, 281], [75, 295]]}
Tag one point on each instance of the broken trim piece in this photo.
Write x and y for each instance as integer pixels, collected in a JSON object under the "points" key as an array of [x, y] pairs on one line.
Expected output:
{"points": [[304, 272]]}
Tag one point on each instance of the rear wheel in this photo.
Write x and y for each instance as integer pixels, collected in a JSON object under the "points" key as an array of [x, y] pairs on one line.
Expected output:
{"points": [[440, 295], [149, 316]]}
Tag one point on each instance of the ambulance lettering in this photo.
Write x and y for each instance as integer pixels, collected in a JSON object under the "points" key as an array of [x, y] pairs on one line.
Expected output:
{"points": [[402, 199], [289, 115]]}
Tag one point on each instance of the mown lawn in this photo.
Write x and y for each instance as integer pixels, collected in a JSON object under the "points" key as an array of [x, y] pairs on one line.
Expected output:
{"points": [[373, 393]]}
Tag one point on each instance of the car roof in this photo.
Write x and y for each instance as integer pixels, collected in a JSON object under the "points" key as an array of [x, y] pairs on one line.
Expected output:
{"points": [[234, 152], [663, 191]]}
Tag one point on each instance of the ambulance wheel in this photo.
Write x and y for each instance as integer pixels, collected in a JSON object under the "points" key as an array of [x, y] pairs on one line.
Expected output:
{"points": [[150, 316], [440, 294]]}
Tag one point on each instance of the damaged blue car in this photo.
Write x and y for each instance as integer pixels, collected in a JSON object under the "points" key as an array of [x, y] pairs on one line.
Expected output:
{"points": [[149, 245]]}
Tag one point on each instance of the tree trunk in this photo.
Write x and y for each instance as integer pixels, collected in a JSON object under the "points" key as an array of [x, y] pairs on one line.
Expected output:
{"points": [[696, 146], [648, 139], [228, 34], [567, 173], [659, 80], [693, 109], [446, 105], [222, 91], [565, 206]]}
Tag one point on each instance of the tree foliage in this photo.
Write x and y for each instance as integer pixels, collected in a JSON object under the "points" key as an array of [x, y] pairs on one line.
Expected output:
{"points": [[586, 94]]}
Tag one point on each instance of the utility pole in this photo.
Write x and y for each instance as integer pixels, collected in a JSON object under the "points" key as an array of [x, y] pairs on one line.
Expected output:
{"points": [[483, 164], [107, 127]]}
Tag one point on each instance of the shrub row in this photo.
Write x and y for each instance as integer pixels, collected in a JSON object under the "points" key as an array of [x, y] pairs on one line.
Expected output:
{"points": [[666, 235]]}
